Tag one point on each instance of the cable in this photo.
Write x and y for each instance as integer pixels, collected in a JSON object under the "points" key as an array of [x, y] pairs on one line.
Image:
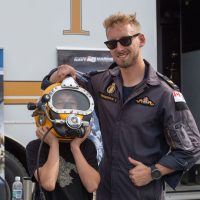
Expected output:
{"points": [[42, 196]]}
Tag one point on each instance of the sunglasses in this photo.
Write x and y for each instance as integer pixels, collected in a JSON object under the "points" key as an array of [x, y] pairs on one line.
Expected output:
{"points": [[124, 41]]}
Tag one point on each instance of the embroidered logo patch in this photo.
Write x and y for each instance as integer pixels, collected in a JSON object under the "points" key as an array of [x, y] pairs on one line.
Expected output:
{"points": [[145, 101], [109, 98], [111, 88], [178, 97], [180, 103]]}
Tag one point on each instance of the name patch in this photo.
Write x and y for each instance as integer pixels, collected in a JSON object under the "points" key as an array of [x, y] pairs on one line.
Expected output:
{"points": [[107, 97]]}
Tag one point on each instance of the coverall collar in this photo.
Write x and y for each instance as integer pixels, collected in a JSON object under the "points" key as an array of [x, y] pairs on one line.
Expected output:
{"points": [[150, 74]]}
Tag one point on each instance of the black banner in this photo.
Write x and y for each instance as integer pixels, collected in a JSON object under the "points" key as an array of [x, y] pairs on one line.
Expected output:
{"points": [[85, 61]]}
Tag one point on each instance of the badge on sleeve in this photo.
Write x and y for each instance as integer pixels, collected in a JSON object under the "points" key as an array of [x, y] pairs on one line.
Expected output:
{"points": [[180, 102]]}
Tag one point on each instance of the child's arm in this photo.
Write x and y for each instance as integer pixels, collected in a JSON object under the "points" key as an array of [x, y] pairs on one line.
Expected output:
{"points": [[49, 171], [89, 176]]}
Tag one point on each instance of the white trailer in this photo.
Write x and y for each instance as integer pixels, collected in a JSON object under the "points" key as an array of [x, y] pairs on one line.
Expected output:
{"points": [[30, 33]]}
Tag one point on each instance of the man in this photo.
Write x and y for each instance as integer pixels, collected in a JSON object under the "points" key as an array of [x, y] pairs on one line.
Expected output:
{"points": [[149, 134], [68, 171]]}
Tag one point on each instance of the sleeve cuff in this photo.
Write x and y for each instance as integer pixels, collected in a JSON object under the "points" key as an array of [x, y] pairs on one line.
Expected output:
{"points": [[180, 166], [46, 82], [173, 163], [173, 179]]}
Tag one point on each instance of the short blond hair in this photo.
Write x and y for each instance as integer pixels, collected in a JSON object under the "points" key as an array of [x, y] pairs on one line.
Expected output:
{"points": [[120, 17]]}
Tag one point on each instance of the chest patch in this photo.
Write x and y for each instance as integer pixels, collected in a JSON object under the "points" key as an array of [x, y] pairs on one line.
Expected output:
{"points": [[111, 88], [108, 97], [145, 101]]}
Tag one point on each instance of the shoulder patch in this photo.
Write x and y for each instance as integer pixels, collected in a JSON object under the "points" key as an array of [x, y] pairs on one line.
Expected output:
{"points": [[168, 81], [180, 103], [178, 97]]}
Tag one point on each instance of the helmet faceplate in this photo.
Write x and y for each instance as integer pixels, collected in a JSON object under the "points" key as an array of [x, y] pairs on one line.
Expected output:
{"points": [[68, 109]]}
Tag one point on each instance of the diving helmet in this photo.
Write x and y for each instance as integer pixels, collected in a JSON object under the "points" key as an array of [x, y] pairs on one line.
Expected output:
{"points": [[66, 107]]}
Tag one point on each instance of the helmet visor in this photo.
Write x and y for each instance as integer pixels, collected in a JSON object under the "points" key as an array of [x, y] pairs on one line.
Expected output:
{"points": [[70, 99]]}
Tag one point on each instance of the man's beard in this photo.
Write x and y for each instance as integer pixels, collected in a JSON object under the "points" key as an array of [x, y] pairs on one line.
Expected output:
{"points": [[128, 62]]}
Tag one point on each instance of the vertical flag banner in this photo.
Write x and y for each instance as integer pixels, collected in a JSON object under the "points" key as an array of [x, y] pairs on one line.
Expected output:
{"points": [[1, 117]]}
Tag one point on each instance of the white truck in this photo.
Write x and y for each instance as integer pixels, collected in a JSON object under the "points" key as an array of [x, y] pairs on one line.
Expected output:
{"points": [[33, 34]]}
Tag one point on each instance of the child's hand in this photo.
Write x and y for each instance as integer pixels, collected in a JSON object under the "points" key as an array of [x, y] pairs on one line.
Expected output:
{"points": [[49, 139], [76, 142]]}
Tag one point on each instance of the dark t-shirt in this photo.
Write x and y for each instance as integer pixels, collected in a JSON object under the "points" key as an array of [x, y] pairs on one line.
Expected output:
{"points": [[126, 92], [68, 185]]}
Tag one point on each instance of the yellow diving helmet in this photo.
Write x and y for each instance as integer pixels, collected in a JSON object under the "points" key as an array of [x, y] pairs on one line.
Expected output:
{"points": [[66, 107]]}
